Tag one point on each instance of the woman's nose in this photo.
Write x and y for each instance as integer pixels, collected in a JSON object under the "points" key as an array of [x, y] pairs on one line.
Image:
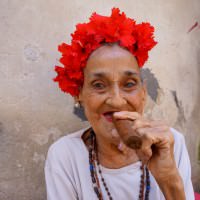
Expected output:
{"points": [[116, 98]]}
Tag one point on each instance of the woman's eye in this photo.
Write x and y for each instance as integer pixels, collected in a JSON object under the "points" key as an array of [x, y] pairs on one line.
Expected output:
{"points": [[130, 84], [98, 85]]}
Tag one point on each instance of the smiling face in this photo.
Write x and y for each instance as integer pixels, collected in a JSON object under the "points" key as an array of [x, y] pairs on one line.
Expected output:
{"points": [[112, 83]]}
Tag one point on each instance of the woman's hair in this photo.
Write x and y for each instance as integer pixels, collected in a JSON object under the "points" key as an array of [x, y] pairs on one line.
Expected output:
{"points": [[101, 30]]}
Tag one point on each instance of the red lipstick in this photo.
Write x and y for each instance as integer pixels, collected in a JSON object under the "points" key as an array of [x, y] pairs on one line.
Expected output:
{"points": [[108, 116]]}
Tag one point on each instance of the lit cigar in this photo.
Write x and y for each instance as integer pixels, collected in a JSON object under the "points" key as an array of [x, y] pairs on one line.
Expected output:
{"points": [[127, 134]]}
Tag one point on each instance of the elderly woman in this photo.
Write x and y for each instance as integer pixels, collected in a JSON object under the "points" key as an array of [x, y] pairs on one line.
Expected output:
{"points": [[122, 156]]}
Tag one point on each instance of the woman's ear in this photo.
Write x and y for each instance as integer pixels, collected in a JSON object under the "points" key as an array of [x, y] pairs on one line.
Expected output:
{"points": [[77, 103], [78, 100], [78, 108]]}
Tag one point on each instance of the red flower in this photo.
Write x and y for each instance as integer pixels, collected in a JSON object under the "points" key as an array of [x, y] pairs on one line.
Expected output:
{"points": [[137, 38]]}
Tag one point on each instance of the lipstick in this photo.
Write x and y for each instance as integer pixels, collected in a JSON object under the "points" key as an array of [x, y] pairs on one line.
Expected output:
{"points": [[108, 116]]}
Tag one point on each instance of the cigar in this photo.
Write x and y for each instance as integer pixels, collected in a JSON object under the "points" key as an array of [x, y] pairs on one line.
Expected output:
{"points": [[127, 134]]}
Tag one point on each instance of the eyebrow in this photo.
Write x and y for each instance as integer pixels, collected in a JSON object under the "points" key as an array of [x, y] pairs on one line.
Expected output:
{"points": [[127, 73], [99, 74], [131, 73]]}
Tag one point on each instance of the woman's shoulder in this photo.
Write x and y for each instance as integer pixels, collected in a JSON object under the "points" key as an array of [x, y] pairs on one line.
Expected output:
{"points": [[68, 141], [66, 148]]}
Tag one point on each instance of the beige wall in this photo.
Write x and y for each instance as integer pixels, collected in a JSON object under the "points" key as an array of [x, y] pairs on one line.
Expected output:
{"points": [[34, 113]]}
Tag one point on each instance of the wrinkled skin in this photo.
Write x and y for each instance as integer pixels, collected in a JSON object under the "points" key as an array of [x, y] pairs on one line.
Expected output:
{"points": [[112, 83]]}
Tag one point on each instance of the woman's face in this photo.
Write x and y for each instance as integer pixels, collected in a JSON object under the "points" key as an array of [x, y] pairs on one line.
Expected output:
{"points": [[112, 83]]}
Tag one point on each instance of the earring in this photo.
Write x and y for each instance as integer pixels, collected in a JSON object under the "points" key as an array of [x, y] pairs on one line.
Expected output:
{"points": [[77, 104]]}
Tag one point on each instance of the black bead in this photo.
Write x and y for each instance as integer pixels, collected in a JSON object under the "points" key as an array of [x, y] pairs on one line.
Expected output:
{"points": [[96, 190], [93, 180]]}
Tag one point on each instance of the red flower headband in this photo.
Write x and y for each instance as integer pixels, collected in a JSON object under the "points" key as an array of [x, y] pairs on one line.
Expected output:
{"points": [[137, 38]]}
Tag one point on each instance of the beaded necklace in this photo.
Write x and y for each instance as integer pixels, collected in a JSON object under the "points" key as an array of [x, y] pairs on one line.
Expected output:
{"points": [[95, 166]]}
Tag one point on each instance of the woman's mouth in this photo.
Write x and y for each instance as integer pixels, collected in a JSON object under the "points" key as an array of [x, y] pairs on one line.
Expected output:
{"points": [[108, 116]]}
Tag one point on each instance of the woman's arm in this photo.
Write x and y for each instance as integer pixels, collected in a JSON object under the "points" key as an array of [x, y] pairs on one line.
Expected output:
{"points": [[172, 187]]}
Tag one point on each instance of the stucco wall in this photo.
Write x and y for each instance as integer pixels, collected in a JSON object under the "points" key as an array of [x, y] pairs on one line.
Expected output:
{"points": [[34, 113]]}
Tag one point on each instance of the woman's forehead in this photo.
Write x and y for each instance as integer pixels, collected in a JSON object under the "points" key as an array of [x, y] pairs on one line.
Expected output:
{"points": [[107, 59], [110, 51]]}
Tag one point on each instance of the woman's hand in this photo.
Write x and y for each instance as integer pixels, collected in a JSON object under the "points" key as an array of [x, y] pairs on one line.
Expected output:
{"points": [[157, 152]]}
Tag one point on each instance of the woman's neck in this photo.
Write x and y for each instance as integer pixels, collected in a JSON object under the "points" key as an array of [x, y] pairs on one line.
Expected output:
{"points": [[110, 156]]}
